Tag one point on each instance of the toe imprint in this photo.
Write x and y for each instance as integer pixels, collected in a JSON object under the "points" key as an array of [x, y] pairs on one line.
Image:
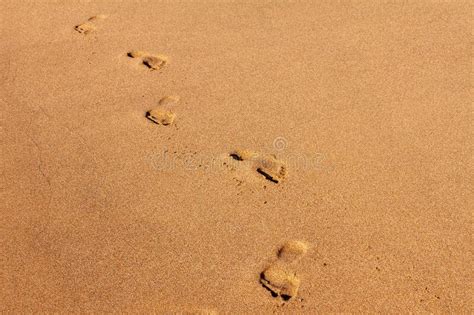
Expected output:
{"points": [[85, 28]]}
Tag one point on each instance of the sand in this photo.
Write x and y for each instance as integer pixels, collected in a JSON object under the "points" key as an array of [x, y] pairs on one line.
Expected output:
{"points": [[360, 112]]}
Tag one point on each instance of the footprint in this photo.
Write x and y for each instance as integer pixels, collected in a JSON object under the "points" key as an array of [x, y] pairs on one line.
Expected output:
{"points": [[266, 165], [280, 281], [280, 278], [292, 251], [90, 25], [273, 169], [243, 155], [162, 115], [136, 54], [169, 101], [153, 62]]}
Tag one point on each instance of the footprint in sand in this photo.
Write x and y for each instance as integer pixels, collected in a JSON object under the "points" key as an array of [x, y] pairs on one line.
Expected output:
{"points": [[161, 114], [90, 25], [266, 165], [280, 277], [152, 62]]}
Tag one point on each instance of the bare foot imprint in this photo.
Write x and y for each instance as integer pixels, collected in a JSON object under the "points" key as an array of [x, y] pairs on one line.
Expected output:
{"points": [[153, 62], [280, 281], [292, 251], [267, 165], [280, 278], [90, 25], [162, 115]]}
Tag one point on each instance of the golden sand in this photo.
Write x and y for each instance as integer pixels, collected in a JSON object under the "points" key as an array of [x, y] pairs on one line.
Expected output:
{"points": [[352, 192]]}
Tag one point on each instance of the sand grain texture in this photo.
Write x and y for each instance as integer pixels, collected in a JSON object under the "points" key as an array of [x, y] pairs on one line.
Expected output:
{"points": [[366, 104]]}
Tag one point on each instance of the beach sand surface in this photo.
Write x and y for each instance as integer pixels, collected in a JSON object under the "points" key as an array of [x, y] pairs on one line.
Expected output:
{"points": [[357, 121]]}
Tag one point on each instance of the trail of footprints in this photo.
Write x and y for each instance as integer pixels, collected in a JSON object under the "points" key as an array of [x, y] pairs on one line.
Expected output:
{"points": [[280, 276]]}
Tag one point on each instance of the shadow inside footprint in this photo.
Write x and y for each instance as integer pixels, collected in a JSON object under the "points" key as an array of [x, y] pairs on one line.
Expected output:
{"points": [[161, 116], [292, 251], [263, 283], [236, 157], [152, 62], [267, 165], [267, 176], [90, 25], [271, 168], [84, 28]]}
